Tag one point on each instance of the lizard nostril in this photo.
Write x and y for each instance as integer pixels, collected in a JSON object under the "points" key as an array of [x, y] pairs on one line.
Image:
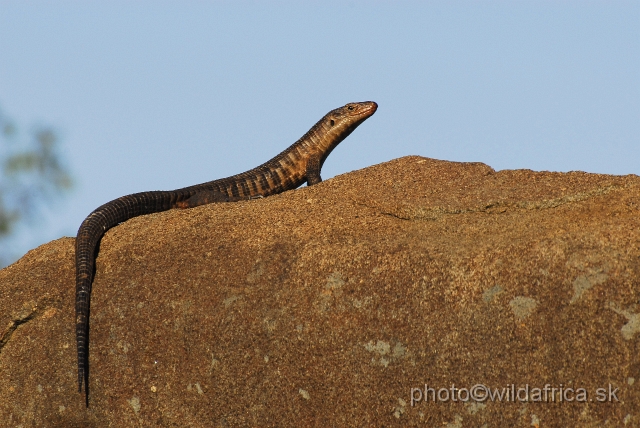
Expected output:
{"points": [[332, 122]]}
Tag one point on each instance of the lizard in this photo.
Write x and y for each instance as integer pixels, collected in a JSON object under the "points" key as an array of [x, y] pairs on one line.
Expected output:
{"points": [[299, 163]]}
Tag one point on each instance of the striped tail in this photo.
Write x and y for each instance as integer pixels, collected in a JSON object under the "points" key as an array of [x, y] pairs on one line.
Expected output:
{"points": [[91, 231]]}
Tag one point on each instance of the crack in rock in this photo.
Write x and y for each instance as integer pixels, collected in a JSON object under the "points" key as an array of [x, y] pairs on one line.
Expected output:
{"points": [[27, 313], [498, 207]]}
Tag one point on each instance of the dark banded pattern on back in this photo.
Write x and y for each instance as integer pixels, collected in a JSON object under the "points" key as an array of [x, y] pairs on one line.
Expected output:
{"points": [[296, 165]]}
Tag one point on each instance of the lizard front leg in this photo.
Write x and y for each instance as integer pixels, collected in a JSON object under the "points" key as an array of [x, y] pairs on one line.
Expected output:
{"points": [[313, 170]]}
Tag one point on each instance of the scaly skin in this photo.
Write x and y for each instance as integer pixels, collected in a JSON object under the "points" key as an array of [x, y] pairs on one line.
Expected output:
{"points": [[299, 163]]}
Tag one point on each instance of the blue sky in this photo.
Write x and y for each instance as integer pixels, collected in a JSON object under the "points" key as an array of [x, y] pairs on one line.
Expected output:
{"points": [[161, 95]]}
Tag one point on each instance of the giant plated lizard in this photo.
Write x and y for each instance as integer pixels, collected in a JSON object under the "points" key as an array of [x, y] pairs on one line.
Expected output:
{"points": [[301, 162]]}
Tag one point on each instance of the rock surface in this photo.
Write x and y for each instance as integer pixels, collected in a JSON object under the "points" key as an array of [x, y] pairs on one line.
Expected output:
{"points": [[328, 305]]}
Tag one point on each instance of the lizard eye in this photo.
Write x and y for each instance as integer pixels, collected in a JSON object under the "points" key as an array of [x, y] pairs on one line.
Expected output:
{"points": [[350, 108]]}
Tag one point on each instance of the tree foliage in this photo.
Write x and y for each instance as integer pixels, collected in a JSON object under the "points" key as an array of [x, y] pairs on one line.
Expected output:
{"points": [[32, 175]]}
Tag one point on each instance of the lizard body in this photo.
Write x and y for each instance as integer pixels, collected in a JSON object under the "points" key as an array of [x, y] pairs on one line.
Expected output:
{"points": [[301, 162]]}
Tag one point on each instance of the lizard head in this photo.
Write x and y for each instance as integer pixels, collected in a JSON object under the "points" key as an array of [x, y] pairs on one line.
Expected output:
{"points": [[351, 115]]}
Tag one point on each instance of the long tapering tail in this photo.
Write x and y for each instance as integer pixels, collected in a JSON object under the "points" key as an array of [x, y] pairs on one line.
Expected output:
{"points": [[91, 231]]}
